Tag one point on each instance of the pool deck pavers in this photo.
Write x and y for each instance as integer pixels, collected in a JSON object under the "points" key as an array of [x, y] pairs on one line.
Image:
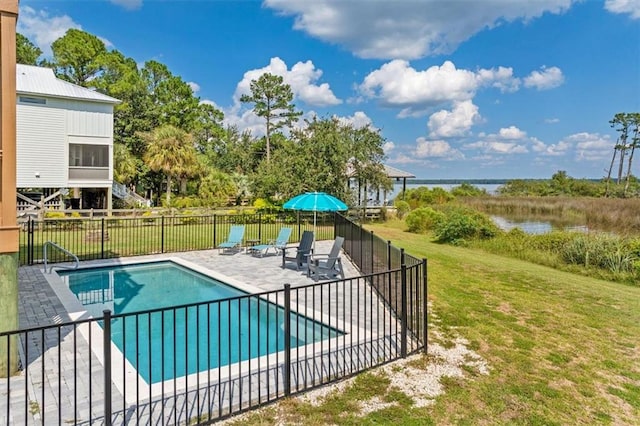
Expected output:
{"points": [[39, 306]]}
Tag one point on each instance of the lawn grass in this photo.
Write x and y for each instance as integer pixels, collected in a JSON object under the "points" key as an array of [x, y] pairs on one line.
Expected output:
{"points": [[561, 348]]}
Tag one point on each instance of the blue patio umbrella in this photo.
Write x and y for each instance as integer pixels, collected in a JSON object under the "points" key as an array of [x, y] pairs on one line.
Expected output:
{"points": [[315, 202]]}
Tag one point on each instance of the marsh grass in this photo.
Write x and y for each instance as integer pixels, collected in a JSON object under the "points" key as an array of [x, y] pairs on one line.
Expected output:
{"points": [[597, 255], [618, 215]]}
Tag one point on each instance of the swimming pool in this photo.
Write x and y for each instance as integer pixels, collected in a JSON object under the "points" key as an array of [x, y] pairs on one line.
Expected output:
{"points": [[164, 339]]}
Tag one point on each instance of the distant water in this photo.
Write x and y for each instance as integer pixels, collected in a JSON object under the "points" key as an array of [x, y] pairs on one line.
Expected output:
{"points": [[397, 188], [534, 227]]}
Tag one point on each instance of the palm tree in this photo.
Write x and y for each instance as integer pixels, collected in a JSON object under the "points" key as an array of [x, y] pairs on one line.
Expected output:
{"points": [[171, 151]]}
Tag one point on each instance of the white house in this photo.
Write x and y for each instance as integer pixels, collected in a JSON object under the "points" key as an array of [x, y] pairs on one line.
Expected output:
{"points": [[64, 138]]}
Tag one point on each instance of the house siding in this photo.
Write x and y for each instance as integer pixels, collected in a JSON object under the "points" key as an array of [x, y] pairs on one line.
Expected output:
{"points": [[41, 146], [44, 133]]}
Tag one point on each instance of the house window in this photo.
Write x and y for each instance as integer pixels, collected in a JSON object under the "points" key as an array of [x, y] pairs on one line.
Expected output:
{"points": [[32, 100], [82, 155]]}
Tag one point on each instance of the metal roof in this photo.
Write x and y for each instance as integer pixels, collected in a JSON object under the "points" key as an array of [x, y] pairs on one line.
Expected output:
{"points": [[392, 172], [42, 81]]}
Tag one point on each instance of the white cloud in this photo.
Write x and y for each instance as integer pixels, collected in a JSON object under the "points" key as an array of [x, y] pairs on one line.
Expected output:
{"points": [[407, 29], [632, 7], [43, 29], [435, 148], [496, 147], [457, 122], [212, 103], [552, 120], [244, 120], [591, 146], [511, 132], [358, 120], [302, 78], [403, 158], [195, 87], [547, 78], [508, 140], [487, 160], [388, 147], [398, 84], [128, 4], [549, 150], [501, 78]]}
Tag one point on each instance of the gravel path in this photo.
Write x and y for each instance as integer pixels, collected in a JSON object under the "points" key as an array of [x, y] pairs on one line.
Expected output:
{"points": [[418, 377]]}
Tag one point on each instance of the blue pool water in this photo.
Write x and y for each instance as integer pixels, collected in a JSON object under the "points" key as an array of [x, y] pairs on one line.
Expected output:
{"points": [[172, 342]]}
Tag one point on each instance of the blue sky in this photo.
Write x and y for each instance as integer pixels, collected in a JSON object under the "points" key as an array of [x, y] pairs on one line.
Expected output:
{"points": [[459, 88]]}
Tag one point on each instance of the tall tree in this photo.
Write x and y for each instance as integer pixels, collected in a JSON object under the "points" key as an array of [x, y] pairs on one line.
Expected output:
{"points": [[634, 124], [620, 123], [170, 150], [365, 146], [628, 127], [78, 57], [272, 100], [318, 159], [207, 126], [172, 98], [26, 52], [122, 80], [233, 152]]}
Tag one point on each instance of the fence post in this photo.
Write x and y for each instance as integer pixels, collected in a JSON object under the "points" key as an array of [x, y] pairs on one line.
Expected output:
{"points": [[260, 227], [425, 304], [403, 306], [162, 234], [287, 340], [335, 225], [106, 333], [361, 244], [30, 239], [388, 255], [214, 231], [102, 242], [372, 255]]}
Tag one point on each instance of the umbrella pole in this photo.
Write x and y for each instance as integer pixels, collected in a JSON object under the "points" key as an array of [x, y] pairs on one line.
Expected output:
{"points": [[314, 230]]}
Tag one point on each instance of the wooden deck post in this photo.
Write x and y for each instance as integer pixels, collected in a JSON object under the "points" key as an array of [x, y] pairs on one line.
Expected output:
{"points": [[8, 205]]}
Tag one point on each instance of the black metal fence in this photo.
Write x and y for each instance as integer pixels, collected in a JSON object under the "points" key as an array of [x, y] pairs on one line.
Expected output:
{"points": [[111, 237], [405, 296], [198, 363]]}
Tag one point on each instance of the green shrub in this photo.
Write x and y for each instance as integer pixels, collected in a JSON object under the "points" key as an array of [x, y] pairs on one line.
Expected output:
{"points": [[423, 196], [384, 214], [190, 217], [183, 202], [402, 208], [468, 190], [554, 241], [146, 217], [423, 219], [460, 224], [54, 215], [264, 204]]}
